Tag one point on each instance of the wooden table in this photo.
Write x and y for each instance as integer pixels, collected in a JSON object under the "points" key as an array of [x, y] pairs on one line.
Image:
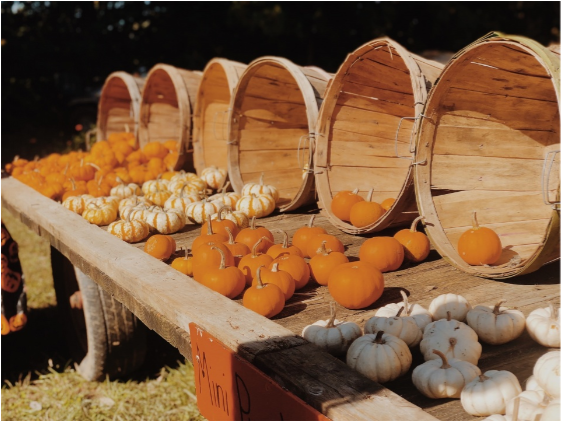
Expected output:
{"points": [[167, 302]]}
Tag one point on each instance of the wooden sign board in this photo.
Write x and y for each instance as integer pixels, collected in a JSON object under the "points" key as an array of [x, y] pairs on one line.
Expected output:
{"points": [[230, 388]]}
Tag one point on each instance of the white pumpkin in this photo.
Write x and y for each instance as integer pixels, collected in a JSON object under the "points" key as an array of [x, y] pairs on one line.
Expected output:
{"points": [[214, 176], [496, 325], [489, 393], [260, 188], [454, 339], [547, 373], [443, 378], [200, 210], [181, 201], [178, 187], [380, 357], [544, 326], [532, 384], [155, 185], [129, 230], [135, 212], [552, 413], [228, 198], [332, 335], [256, 205], [165, 221], [527, 405], [191, 179], [404, 328], [103, 201], [417, 313], [457, 305], [238, 217], [77, 203], [498, 418], [133, 201], [100, 215], [159, 197], [125, 190]]}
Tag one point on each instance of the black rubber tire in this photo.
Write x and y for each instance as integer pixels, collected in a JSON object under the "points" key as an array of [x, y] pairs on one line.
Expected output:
{"points": [[105, 338]]}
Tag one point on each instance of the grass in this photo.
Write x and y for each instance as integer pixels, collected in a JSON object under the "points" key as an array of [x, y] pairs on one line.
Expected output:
{"points": [[39, 380]]}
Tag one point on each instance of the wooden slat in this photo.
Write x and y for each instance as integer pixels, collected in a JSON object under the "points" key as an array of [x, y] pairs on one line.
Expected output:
{"points": [[511, 58], [266, 139], [364, 157], [374, 105], [349, 178], [274, 110], [403, 98], [266, 160]]}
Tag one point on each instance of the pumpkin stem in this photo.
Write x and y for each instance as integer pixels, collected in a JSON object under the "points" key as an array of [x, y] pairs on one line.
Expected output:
{"points": [[118, 179], [186, 252], [255, 247], [285, 242], [310, 225], [445, 364], [449, 314], [475, 222], [356, 191], [220, 212], [378, 337], [496, 310], [224, 189], [370, 193], [483, 378], [259, 284], [330, 323], [322, 249], [90, 164], [275, 267], [262, 179], [253, 222], [231, 239], [399, 312], [452, 342], [209, 228], [222, 265], [73, 182], [405, 302], [415, 222]]}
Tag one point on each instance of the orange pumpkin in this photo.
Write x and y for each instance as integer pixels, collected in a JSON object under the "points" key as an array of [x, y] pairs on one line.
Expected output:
{"points": [[267, 300], [209, 236], [284, 248], [205, 258], [355, 285], [155, 149], [184, 264], [160, 246], [249, 263], [303, 235], [324, 262], [5, 326], [365, 213], [296, 266], [252, 234], [416, 244], [342, 203], [478, 246], [219, 224], [332, 243], [280, 278], [74, 189], [11, 281], [387, 203], [383, 252], [237, 249], [228, 281], [17, 322]]}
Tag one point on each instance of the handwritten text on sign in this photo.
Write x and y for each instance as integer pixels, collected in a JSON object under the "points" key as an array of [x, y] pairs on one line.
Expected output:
{"points": [[230, 388]]}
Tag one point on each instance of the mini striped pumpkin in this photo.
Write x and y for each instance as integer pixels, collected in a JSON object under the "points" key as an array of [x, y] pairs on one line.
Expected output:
{"points": [[253, 205], [238, 217], [191, 178], [100, 215], [103, 201], [182, 187], [228, 198], [158, 197], [133, 201], [260, 188], [155, 185], [214, 176], [124, 191], [181, 201], [198, 211], [77, 203], [165, 221], [129, 230], [134, 212]]}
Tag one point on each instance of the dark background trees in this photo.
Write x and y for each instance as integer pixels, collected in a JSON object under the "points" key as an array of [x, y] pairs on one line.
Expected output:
{"points": [[56, 55]]}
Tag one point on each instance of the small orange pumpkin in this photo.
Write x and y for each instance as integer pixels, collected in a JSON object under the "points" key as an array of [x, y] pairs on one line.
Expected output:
{"points": [[355, 285], [251, 235], [416, 244], [478, 246], [324, 262], [5, 323], [205, 258], [303, 235], [17, 322], [219, 224], [250, 262], [267, 300], [284, 248], [237, 249], [228, 281], [160, 246], [387, 203], [332, 243], [280, 278], [184, 264], [209, 236], [365, 213], [383, 252], [296, 266], [342, 203]]}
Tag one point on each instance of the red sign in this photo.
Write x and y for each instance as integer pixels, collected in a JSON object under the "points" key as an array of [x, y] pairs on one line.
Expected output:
{"points": [[230, 388]]}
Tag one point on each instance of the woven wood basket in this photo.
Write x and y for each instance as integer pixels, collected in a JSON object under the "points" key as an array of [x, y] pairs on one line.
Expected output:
{"points": [[166, 109], [366, 130], [119, 105], [274, 111], [489, 143], [219, 80]]}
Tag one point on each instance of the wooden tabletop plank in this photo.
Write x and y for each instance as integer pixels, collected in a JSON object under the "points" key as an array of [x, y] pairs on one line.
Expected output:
{"points": [[168, 302]]}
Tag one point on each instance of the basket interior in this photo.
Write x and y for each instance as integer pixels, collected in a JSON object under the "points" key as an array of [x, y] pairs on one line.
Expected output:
{"points": [[116, 108], [363, 145], [160, 114], [215, 96], [497, 117], [273, 120]]}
